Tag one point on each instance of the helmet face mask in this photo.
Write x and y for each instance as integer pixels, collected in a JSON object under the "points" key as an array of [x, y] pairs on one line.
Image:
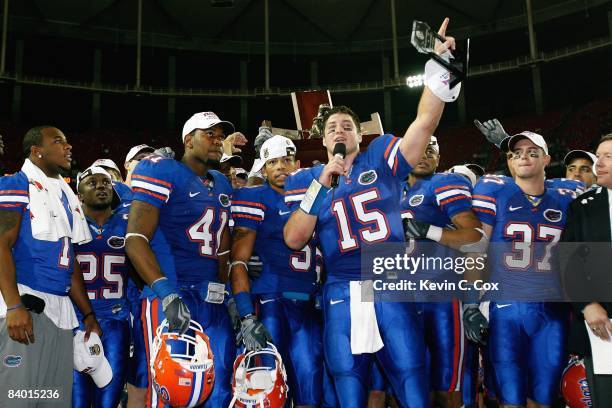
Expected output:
{"points": [[259, 379], [574, 386], [182, 366]]}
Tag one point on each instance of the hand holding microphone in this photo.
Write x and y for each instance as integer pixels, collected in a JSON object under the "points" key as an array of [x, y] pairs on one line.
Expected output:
{"points": [[339, 152]]}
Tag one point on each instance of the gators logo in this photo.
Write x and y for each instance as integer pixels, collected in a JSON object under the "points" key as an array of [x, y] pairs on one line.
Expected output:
{"points": [[367, 177], [12, 361], [116, 242], [416, 200], [224, 200], [553, 215]]}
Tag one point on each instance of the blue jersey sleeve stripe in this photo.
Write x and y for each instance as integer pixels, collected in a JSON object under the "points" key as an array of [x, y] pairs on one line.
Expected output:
{"points": [[14, 192], [452, 193], [14, 199], [249, 204], [248, 217], [392, 159], [237, 209], [136, 184]]}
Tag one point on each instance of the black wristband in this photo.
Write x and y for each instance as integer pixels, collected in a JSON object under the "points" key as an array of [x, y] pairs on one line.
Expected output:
{"points": [[87, 315]]}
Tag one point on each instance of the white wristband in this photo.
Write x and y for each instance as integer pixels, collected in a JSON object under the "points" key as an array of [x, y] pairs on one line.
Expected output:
{"points": [[135, 234], [434, 233]]}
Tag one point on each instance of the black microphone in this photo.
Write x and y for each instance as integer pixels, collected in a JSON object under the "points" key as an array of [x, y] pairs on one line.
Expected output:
{"points": [[339, 151]]}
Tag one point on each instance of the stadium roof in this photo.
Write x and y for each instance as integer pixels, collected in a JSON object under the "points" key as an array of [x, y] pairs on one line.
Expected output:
{"points": [[296, 26]]}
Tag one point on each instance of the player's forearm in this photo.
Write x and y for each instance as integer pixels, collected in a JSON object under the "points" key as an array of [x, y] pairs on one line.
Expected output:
{"points": [[8, 280], [417, 136], [143, 259], [456, 239], [299, 229], [9, 231], [242, 248], [78, 293], [223, 256]]}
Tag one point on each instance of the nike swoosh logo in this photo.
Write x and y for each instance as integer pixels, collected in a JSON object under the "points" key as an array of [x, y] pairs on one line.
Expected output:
{"points": [[502, 306], [191, 195], [334, 302], [515, 208], [263, 302], [283, 212], [126, 205]]}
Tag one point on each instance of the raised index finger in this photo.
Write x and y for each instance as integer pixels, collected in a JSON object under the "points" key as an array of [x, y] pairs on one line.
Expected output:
{"points": [[442, 30]]}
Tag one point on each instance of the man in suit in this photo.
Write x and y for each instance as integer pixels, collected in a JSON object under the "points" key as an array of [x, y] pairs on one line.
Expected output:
{"points": [[587, 274]]}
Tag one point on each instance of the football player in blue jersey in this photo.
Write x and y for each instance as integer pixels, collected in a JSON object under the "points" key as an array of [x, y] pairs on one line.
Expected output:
{"points": [[495, 133], [190, 205], [361, 212], [40, 221], [285, 290], [527, 327], [440, 223], [105, 271], [118, 184]]}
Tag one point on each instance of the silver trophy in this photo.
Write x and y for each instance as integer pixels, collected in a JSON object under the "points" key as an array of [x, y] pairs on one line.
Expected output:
{"points": [[424, 40]]}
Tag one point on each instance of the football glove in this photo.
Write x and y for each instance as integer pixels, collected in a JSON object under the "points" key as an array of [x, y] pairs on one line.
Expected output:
{"points": [[493, 131], [474, 323], [165, 152], [177, 313], [254, 333], [235, 319], [414, 229]]}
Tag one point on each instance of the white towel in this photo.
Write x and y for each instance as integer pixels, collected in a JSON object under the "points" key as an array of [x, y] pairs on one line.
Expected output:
{"points": [[365, 336], [48, 217]]}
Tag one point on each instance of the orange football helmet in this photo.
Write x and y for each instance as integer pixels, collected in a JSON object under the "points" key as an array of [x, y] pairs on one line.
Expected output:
{"points": [[574, 386], [182, 367], [259, 379]]}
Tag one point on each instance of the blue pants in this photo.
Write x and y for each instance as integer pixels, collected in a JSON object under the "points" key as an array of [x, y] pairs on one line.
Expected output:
{"points": [[116, 342], [527, 348], [215, 321], [295, 327], [138, 372], [471, 374], [445, 344], [402, 357]]}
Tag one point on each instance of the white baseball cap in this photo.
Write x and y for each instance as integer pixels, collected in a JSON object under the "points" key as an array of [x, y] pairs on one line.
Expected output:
{"points": [[574, 154], [134, 151], [108, 163], [253, 173], [537, 140], [89, 358], [91, 170], [433, 142], [206, 120], [465, 171], [273, 148], [240, 172], [232, 160]]}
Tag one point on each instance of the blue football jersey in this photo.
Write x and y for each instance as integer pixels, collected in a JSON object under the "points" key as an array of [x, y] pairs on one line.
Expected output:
{"points": [[263, 210], [566, 184], [105, 268], [42, 265], [124, 191], [194, 211], [524, 235], [436, 200], [362, 211]]}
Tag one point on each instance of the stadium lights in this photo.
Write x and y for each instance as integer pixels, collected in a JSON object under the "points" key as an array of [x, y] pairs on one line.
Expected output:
{"points": [[415, 80]]}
